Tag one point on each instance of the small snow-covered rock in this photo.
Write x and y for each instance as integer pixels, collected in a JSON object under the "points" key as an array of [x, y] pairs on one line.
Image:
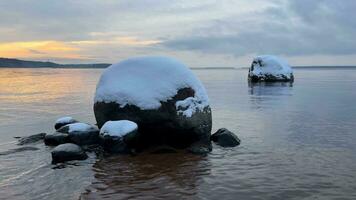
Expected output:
{"points": [[225, 138], [118, 128], [67, 152], [160, 94], [56, 138], [81, 133], [270, 68], [118, 136], [64, 121]]}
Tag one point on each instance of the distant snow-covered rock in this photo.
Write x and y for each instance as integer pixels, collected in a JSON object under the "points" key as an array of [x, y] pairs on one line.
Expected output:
{"points": [[160, 94], [270, 68]]}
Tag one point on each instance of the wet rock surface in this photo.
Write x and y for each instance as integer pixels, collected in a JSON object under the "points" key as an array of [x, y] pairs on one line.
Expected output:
{"points": [[163, 126], [56, 138], [67, 152], [31, 139], [80, 133], [225, 138]]}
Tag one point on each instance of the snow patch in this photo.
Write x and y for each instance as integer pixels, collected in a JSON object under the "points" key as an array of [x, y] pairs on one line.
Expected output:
{"points": [[65, 120], [80, 127], [118, 128], [146, 82], [68, 147], [268, 64], [189, 106]]}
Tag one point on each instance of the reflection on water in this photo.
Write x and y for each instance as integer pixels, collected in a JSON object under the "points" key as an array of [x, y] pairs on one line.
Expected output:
{"points": [[149, 176], [28, 86], [267, 94], [270, 88]]}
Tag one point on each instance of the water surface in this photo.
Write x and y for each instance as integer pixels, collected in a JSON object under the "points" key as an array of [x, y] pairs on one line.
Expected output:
{"points": [[298, 140]]}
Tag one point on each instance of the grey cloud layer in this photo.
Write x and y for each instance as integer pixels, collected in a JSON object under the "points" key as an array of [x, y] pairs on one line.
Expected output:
{"points": [[225, 27], [295, 27]]}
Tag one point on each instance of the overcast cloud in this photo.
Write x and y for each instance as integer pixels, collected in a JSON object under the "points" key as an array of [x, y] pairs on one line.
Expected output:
{"points": [[201, 32]]}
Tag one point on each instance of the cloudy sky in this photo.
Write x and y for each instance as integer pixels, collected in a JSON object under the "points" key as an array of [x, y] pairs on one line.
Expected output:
{"points": [[201, 33]]}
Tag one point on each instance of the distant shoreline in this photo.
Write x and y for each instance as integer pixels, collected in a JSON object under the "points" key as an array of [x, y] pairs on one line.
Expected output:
{"points": [[17, 63]]}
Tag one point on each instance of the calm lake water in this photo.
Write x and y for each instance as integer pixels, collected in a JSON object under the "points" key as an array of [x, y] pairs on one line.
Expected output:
{"points": [[298, 141]]}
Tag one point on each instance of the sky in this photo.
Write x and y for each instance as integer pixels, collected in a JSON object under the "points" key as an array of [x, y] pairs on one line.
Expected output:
{"points": [[200, 33]]}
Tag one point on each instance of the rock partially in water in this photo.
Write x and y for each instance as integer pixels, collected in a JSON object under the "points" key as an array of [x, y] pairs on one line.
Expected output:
{"points": [[225, 138], [81, 133], [21, 149], [56, 138], [200, 148], [67, 152], [161, 95], [31, 139], [269, 68], [64, 121], [118, 136]]}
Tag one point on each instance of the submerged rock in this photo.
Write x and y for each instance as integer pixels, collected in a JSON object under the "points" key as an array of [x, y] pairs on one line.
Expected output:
{"points": [[21, 149], [31, 139], [67, 152], [165, 99], [56, 138], [118, 136], [64, 121], [270, 69], [200, 148], [225, 138], [81, 133]]}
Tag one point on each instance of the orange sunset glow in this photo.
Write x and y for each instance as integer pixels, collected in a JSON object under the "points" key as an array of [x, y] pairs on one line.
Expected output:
{"points": [[64, 49]]}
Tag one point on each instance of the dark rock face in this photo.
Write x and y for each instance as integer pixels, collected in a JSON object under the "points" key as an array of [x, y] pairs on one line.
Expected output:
{"points": [[81, 137], [67, 152], [225, 138], [200, 148], [114, 144], [59, 125], [31, 139], [270, 78], [56, 139], [163, 126]]}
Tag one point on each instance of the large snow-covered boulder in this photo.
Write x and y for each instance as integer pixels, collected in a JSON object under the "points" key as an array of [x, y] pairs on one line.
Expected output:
{"points": [[270, 68], [161, 95], [118, 136]]}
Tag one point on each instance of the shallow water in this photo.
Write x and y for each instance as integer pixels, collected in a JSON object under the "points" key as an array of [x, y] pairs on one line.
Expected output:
{"points": [[298, 141]]}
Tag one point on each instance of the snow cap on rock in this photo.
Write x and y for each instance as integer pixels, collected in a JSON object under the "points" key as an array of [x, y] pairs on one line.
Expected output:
{"points": [[145, 82], [118, 128]]}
